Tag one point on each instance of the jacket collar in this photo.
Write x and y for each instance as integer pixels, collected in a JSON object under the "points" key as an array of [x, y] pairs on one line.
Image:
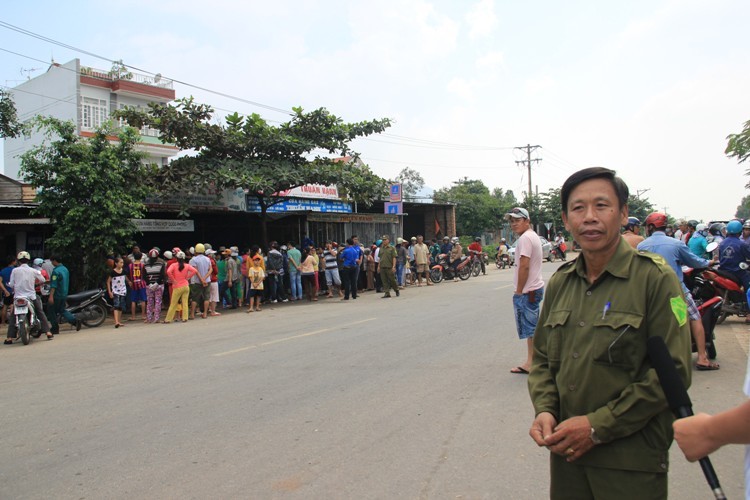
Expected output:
{"points": [[618, 265]]}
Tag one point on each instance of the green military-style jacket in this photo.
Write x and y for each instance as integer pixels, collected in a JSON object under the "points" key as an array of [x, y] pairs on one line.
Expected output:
{"points": [[588, 361], [387, 256]]}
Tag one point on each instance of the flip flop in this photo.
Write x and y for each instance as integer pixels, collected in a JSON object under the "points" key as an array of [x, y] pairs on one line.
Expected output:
{"points": [[709, 367], [520, 370]]}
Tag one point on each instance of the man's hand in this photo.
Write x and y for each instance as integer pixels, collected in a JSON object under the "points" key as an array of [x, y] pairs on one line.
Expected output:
{"points": [[571, 438], [542, 427], [692, 436], [51, 299]]}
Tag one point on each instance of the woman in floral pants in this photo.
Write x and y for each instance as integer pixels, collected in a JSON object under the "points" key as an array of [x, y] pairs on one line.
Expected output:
{"points": [[155, 278]]}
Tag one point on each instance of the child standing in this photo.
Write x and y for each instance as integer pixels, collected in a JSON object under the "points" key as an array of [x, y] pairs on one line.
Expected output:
{"points": [[117, 288], [255, 275]]}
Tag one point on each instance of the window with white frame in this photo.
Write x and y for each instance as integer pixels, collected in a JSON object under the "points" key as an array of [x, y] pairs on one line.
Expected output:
{"points": [[145, 130], [94, 112]]}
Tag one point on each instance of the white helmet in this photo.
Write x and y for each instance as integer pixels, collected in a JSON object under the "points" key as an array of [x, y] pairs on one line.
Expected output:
{"points": [[454, 239], [23, 254]]}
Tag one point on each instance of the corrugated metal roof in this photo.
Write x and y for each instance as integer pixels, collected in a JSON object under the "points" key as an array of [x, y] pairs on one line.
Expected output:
{"points": [[20, 222]]}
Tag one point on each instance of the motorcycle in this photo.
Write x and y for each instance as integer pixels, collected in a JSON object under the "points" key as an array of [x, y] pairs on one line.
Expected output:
{"points": [[729, 288], [477, 258], [709, 304], [90, 306], [27, 322], [442, 270], [502, 261], [555, 253]]}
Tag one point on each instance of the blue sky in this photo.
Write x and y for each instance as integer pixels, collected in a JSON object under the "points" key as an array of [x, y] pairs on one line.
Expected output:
{"points": [[648, 88]]}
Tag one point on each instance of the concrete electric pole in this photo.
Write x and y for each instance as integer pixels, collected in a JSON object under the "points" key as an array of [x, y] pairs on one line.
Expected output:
{"points": [[528, 148]]}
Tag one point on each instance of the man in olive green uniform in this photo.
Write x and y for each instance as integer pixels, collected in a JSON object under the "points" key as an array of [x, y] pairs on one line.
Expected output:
{"points": [[388, 267], [599, 407]]}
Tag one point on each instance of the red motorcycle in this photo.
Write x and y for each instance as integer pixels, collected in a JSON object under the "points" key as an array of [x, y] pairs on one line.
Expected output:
{"points": [[442, 270], [709, 302]]}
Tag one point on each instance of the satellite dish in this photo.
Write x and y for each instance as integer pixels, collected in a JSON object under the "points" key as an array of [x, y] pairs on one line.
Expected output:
{"points": [[157, 78]]}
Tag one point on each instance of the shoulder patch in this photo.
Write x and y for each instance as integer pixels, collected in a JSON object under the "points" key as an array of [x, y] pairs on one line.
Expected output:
{"points": [[679, 309]]}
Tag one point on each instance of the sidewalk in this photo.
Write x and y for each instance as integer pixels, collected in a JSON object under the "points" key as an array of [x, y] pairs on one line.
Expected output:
{"points": [[736, 327]]}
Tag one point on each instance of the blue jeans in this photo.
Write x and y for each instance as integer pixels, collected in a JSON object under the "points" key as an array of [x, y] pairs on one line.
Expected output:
{"points": [[527, 313], [400, 274], [295, 279]]}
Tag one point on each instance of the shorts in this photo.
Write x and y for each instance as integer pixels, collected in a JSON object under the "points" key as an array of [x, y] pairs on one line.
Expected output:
{"points": [[213, 295], [8, 301], [527, 313], [254, 292], [138, 295], [199, 293], [119, 302], [423, 268], [693, 312]]}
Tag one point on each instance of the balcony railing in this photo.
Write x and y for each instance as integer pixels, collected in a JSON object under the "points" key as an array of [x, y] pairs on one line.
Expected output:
{"points": [[110, 76]]}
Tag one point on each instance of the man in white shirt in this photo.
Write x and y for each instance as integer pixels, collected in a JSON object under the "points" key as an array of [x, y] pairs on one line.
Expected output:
{"points": [[527, 280], [23, 280]]}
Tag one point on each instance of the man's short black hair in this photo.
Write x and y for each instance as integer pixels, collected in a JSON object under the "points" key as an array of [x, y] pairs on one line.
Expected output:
{"points": [[350, 241], [594, 173], [55, 258]]}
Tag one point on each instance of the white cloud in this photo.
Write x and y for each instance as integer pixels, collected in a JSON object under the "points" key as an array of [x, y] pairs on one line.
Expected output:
{"points": [[462, 88], [491, 60], [539, 85], [481, 19]]}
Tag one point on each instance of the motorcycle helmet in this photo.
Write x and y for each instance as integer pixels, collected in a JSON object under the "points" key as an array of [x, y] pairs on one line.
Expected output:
{"points": [[38, 261], [153, 253], [176, 250], [632, 222], [379, 242], [656, 219], [454, 239], [502, 240], [734, 227], [23, 254], [746, 225], [478, 239], [199, 248], [168, 255], [446, 238], [181, 255], [716, 228], [701, 228], [693, 223]]}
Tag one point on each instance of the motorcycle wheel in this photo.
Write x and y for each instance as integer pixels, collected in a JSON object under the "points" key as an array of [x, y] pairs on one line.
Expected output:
{"points": [[551, 257], [464, 273], [94, 315], [436, 276], [23, 332], [721, 318], [476, 268], [499, 264]]}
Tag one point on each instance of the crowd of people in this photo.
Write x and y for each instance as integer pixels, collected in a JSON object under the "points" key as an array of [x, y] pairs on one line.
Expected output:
{"points": [[161, 285]]}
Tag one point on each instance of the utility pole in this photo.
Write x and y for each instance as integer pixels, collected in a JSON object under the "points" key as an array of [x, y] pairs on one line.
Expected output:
{"points": [[528, 148], [639, 192]]}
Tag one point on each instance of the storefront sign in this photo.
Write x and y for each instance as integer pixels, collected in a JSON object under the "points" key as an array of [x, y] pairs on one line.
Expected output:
{"points": [[300, 205], [395, 193], [316, 191], [164, 225], [394, 208], [363, 218]]}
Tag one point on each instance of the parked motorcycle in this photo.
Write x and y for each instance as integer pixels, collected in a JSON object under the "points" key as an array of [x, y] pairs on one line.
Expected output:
{"points": [[502, 261], [442, 270], [90, 306], [709, 304], [477, 258], [27, 322]]}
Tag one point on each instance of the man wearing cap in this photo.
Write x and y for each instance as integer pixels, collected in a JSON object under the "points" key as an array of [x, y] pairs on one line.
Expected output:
{"points": [[422, 260], [388, 267], [527, 280], [200, 282]]}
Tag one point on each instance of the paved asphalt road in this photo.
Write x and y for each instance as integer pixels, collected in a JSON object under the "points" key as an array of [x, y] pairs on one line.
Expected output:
{"points": [[409, 397]]}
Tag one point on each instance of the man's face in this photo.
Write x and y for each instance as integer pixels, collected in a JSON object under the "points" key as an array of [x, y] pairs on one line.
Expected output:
{"points": [[420, 240], [519, 225], [746, 232], [355, 241], [594, 217]]}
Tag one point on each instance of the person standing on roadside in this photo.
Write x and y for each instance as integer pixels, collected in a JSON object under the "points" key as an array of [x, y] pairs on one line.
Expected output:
{"points": [[388, 267], [295, 277], [179, 273], [200, 290], [476, 248], [156, 275], [6, 288], [59, 283], [527, 281], [351, 263], [599, 406], [422, 261]]}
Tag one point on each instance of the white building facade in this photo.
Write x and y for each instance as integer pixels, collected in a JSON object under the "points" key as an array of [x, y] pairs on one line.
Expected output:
{"points": [[87, 97]]}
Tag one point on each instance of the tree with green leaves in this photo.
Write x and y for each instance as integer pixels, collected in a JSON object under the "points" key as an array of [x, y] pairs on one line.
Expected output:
{"points": [[411, 182], [738, 146], [476, 209], [264, 160], [90, 188], [743, 209], [639, 207], [9, 125]]}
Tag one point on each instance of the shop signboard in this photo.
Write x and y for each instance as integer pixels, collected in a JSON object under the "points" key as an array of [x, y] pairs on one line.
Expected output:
{"points": [[164, 225], [300, 205]]}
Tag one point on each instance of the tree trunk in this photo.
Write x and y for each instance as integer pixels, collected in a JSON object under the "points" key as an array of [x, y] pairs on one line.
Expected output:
{"points": [[263, 224]]}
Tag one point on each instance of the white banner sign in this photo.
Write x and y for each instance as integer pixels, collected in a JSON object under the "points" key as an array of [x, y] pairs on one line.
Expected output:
{"points": [[164, 225], [312, 191]]}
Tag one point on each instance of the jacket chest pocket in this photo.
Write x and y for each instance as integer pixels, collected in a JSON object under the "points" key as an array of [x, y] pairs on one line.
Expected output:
{"points": [[555, 324], [616, 339]]}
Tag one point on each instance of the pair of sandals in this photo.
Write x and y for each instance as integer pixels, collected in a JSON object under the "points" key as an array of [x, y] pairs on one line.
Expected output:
{"points": [[10, 341]]}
